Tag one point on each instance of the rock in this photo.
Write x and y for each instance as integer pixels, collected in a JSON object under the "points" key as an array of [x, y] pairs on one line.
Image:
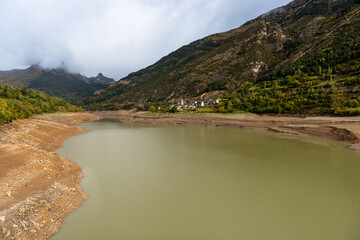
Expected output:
{"points": [[8, 234], [2, 219], [24, 224], [36, 225], [8, 194]]}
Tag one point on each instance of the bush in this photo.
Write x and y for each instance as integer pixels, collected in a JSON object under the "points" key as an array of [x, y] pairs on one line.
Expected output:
{"points": [[352, 103], [174, 110], [153, 109]]}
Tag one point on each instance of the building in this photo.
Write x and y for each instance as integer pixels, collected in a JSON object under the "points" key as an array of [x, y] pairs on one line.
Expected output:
{"points": [[195, 104]]}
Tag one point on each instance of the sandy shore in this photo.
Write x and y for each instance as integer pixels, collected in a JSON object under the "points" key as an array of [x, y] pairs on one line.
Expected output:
{"points": [[38, 188], [340, 129]]}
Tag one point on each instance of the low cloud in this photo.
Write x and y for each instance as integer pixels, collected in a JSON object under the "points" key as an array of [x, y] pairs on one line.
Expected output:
{"points": [[115, 37]]}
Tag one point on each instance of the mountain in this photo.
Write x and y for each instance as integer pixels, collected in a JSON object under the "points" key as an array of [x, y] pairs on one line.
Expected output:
{"points": [[270, 47], [55, 82], [101, 79]]}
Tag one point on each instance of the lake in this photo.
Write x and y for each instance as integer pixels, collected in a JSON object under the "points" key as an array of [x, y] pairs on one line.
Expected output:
{"points": [[198, 183]]}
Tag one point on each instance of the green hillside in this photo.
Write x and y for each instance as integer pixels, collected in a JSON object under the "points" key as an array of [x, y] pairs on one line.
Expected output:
{"points": [[325, 82], [300, 58], [18, 103]]}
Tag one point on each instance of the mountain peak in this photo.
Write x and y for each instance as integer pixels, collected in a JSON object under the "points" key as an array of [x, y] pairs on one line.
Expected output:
{"points": [[100, 78]]}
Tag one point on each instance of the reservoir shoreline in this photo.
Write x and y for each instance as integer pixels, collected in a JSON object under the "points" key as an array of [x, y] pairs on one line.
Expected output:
{"points": [[39, 188], [345, 130]]}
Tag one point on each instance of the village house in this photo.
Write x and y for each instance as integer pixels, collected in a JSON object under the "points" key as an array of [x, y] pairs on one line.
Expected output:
{"points": [[195, 104]]}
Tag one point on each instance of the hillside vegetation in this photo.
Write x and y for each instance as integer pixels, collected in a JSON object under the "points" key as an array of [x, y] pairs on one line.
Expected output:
{"points": [[324, 82], [18, 103], [300, 58]]}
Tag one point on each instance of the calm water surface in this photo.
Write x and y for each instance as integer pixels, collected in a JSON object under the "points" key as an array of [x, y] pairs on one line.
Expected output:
{"points": [[195, 183]]}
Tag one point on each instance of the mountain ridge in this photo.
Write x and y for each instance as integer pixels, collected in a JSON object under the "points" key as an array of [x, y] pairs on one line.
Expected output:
{"points": [[59, 82], [225, 61]]}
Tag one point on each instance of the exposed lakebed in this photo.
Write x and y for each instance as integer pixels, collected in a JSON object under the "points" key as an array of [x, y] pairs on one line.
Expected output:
{"points": [[191, 183]]}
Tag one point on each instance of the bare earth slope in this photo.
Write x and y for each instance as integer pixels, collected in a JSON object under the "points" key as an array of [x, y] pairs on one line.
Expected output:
{"points": [[38, 188]]}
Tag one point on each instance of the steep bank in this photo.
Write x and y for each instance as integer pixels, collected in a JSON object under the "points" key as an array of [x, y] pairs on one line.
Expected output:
{"points": [[340, 129], [38, 188]]}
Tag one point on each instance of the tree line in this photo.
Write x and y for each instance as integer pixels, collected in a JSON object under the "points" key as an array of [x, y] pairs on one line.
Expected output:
{"points": [[21, 103]]}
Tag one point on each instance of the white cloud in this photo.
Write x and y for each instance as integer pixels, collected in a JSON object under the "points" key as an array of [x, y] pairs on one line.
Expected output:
{"points": [[115, 37]]}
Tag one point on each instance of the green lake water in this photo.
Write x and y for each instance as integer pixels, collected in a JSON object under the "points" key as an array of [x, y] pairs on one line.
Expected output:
{"points": [[197, 183]]}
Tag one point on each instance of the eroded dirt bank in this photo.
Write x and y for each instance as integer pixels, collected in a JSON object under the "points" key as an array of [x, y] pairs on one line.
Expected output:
{"points": [[341, 129], [38, 188]]}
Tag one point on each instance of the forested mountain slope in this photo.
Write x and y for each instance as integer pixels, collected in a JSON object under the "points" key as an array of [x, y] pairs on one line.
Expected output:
{"points": [[313, 42]]}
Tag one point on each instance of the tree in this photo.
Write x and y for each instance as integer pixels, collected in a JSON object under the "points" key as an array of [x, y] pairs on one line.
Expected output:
{"points": [[330, 74], [152, 109], [174, 109], [229, 107]]}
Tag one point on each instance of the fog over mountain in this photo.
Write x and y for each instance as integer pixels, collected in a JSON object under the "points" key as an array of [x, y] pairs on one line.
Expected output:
{"points": [[114, 37]]}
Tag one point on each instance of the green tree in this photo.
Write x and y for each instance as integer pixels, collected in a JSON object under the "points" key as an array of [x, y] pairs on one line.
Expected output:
{"points": [[152, 109], [229, 107]]}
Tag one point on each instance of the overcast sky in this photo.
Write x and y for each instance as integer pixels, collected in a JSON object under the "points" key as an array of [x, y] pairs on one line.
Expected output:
{"points": [[114, 37]]}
